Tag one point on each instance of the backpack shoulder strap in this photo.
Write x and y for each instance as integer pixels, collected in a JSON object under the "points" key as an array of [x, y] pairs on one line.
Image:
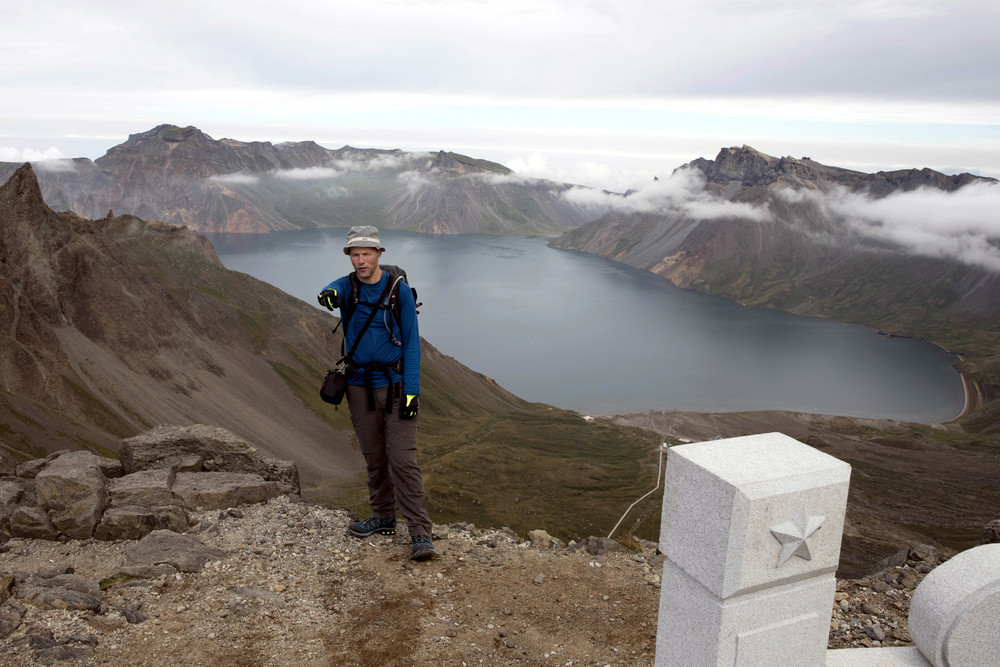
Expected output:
{"points": [[371, 316]]}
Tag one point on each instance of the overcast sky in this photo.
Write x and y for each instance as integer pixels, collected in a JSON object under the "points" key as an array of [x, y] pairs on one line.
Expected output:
{"points": [[606, 94]]}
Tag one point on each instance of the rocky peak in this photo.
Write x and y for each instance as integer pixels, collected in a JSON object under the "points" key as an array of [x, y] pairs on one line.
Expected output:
{"points": [[21, 196], [29, 231], [747, 166], [462, 164], [887, 182], [446, 162], [743, 164], [161, 140]]}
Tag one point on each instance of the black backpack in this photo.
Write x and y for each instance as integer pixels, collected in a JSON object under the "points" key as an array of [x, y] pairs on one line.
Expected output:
{"points": [[390, 302]]}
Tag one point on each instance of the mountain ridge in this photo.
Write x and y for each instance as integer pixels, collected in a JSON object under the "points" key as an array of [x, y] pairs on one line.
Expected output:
{"points": [[183, 176]]}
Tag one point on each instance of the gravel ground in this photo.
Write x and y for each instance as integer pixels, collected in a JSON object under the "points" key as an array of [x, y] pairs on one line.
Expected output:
{"points": [[293, 588]]}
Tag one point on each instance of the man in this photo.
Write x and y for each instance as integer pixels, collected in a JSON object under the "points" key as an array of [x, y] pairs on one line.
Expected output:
{"points": [[383, 387]]}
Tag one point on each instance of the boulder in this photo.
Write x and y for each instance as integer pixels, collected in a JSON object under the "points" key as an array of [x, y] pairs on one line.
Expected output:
{"points": [[202, 448], [61, 590], [29, 469], [10, 619], [134, 522], [221, 490], [61, 598], [71, 488], [542, 540], [597, 546], [68, 580], [171, 469], [186, 553], [33, 522], [112, 468], [10, 495], [145, 487]]}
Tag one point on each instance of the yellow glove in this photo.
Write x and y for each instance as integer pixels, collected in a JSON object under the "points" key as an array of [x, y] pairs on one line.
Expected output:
{"points": [[411, 403], [329, 298]]}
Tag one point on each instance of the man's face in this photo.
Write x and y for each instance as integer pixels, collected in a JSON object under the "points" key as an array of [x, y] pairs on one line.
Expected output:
{"points": [[365, 261]]}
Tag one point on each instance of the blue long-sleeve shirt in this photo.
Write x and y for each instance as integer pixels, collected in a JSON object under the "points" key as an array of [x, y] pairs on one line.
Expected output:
{"points": [[376, 346]]}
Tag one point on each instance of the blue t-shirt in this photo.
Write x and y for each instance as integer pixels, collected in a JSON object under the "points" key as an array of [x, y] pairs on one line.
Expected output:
{"points": [[377, 346]]}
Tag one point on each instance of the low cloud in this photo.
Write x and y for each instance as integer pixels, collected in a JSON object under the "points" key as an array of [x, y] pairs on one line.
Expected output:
{"points": [[494, 178], [336, 169], [682, 193], [234, 179], [307, 173], [65, 165], [51, 159], [414, 180], [963, 225], [383, 162]]}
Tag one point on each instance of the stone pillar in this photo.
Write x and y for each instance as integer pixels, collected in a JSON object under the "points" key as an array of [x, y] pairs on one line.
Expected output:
{"points": [[955, 612], [751, 529]]}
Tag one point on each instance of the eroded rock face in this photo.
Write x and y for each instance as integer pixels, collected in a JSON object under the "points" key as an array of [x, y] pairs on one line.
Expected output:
{"points": [[28, 521], [72, 489], [203, 448], [134, 522], [144, 488], [171, 470], [219, 490]]}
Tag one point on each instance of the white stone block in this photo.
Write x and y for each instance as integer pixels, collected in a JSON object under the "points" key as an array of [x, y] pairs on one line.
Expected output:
{"points": [[784, 625], [746, 513], [955, 612], [886, 656]]}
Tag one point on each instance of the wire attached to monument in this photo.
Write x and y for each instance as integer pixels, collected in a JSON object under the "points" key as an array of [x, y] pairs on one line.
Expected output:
{"points": [[659, 476]]}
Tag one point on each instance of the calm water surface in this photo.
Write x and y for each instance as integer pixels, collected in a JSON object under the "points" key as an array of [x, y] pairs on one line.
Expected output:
{"points": [[590, 335]]}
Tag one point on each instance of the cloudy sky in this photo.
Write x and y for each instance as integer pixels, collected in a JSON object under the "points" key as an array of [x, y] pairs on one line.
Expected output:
{"points": [[602, 93]]}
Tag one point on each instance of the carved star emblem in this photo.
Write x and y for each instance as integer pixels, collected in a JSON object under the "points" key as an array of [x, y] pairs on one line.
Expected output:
{"points": [[794, 535]]}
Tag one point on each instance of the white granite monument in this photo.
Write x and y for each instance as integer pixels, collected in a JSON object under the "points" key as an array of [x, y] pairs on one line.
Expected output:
{"points": [[751, 530]]}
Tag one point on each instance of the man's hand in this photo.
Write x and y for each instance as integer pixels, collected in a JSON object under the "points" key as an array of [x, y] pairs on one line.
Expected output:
{"points": [[329, 298], [410, 406]]}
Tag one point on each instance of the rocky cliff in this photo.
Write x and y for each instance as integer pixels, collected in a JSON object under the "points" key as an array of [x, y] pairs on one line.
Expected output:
{"points": [[185, 177]]}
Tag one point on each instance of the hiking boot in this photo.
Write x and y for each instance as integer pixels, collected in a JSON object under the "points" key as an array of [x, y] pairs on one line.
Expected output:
{"points": [[423, 548], [372, 525]]}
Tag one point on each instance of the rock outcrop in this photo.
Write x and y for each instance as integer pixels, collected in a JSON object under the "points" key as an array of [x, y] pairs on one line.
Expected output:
{"points": [[163, 475]]}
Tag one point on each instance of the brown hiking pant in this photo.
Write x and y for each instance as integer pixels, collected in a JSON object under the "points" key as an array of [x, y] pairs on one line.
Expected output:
{"points": [[389, 445]]}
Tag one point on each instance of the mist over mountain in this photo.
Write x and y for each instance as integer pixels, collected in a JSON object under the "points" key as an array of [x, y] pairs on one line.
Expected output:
{"points": [[912, 252], [185, 177]]}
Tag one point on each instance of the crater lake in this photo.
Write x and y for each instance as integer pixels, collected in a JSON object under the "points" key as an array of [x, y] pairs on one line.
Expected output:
{"points": [[587, 334]]}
